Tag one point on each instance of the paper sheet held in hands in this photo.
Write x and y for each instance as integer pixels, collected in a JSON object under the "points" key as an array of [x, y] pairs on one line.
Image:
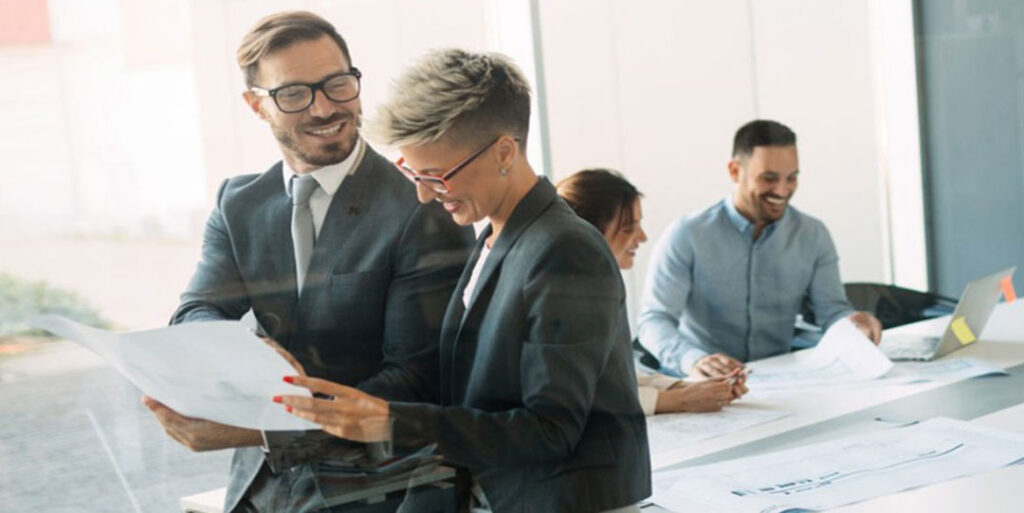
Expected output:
{"points": [[214, 370]]}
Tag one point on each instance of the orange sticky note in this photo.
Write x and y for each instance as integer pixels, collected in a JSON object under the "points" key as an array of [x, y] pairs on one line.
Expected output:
{"points": [[962, 331], [1008, 292]]}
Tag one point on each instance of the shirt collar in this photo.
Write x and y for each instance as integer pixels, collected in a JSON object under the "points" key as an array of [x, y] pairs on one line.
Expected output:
{"points": [[329, 177], [743, 225], [735, 217]]}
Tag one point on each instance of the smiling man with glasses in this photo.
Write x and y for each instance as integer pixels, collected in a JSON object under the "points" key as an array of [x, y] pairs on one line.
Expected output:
{"points": [[330, 251], [292, 98]]}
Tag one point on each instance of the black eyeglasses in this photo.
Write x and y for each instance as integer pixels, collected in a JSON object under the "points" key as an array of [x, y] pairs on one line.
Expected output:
{"points": [[292, 98]]}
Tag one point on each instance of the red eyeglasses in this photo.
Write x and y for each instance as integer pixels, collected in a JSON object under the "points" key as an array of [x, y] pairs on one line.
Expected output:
{"points": [[439, 184]]}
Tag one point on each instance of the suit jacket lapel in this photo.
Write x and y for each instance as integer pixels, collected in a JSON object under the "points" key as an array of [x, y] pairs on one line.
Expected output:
{"points": [[274, 224], [532, 205], [343, 215], [452, 324], [273, 256]]}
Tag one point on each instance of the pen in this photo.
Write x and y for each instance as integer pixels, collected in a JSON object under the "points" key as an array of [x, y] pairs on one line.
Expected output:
{"points": [[896, 422], [744, 373]]}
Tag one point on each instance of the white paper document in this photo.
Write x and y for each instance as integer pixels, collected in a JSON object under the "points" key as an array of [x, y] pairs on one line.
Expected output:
{"points": [[952, 369], [215, 370], [669, 435], [844, 355], [840, 472]]}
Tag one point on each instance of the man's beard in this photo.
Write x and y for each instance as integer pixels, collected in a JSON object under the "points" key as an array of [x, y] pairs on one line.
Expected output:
{"points": [[763, 210], [327, 154]]}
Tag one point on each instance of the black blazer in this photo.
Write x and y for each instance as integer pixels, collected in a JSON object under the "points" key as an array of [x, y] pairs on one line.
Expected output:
{"points": [[538, 390], [380, 276]]}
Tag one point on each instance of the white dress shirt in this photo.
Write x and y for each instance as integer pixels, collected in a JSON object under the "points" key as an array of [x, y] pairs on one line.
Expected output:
{"points": [[467, 294], [329, 178]]}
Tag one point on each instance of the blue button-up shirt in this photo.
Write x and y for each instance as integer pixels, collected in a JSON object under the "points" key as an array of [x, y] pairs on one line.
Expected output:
{"points": [[712, 288]]}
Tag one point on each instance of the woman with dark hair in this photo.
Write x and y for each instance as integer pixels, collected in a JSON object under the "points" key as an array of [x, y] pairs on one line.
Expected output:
{"points": [[609, 202]]}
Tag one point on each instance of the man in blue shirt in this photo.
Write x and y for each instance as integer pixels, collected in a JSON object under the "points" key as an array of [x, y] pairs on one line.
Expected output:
{"points": [[725, 284]]}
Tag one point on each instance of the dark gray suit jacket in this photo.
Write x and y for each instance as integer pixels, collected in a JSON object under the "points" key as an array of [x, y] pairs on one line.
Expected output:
{"points": [[370, 313], [538, 390]]}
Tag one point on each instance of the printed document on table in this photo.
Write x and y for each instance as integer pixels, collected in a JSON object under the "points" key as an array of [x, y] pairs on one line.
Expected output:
{"points": [[844, 355], [840, 472], [214, 370], [947, 369], [669, 435]]}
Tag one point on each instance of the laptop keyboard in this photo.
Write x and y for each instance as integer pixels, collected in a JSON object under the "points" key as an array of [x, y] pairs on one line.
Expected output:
{"points": [[909, 347]]}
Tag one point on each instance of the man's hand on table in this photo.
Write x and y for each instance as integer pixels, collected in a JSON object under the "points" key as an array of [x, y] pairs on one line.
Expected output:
{"points": [[715, 365]]}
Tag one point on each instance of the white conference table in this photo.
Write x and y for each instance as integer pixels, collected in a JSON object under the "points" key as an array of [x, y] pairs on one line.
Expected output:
{"points": [[837, 412]]}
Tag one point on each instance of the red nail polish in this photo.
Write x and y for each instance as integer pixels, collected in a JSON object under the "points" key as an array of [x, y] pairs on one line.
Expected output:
{"points": [[289, 379], [288, 409], [277, 399]]}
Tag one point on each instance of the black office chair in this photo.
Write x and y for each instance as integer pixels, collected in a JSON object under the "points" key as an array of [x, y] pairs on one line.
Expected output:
{"points": [[645, 357], [896, 306]]}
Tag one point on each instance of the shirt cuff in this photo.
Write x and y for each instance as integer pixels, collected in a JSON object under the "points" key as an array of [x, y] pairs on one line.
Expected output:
{"points": [[658, 381], [648, 399], [689, 359]]}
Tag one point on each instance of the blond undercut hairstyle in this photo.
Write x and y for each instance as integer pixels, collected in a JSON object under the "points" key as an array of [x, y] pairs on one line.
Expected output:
{"points": [[279, 31], [467, 98]]}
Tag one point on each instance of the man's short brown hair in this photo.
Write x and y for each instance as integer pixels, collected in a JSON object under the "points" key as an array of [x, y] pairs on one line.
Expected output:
{"points": [[278, 31]]}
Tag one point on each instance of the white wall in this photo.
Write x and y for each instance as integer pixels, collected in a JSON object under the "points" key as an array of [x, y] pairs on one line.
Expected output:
{"points": [[148, 100], [99, 121], [117, 131], [656, 89]]}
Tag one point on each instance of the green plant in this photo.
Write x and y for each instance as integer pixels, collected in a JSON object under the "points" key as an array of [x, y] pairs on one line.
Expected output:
{"points": [[21, 299]]}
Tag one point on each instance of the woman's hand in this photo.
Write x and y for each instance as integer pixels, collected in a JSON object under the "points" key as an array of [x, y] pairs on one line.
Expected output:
{"points": [[347, 413], [702, 396]]}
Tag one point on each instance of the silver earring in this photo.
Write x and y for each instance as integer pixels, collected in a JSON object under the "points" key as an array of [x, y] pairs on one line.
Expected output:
{"points": [[503, 171]]}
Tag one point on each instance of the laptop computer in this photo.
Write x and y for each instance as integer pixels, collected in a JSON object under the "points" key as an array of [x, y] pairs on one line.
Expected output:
{"points": [[969, 318]]}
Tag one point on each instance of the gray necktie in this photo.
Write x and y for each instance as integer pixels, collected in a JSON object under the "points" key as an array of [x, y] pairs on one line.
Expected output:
{"points": [[303, 231]]}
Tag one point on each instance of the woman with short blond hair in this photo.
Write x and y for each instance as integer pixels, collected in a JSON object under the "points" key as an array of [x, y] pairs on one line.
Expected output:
{"points": [[537, 396]]}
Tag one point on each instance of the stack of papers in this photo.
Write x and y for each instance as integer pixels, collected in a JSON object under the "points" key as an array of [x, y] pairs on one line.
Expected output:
{"points": [[216, 371], [840, 472], [358, 462]]}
